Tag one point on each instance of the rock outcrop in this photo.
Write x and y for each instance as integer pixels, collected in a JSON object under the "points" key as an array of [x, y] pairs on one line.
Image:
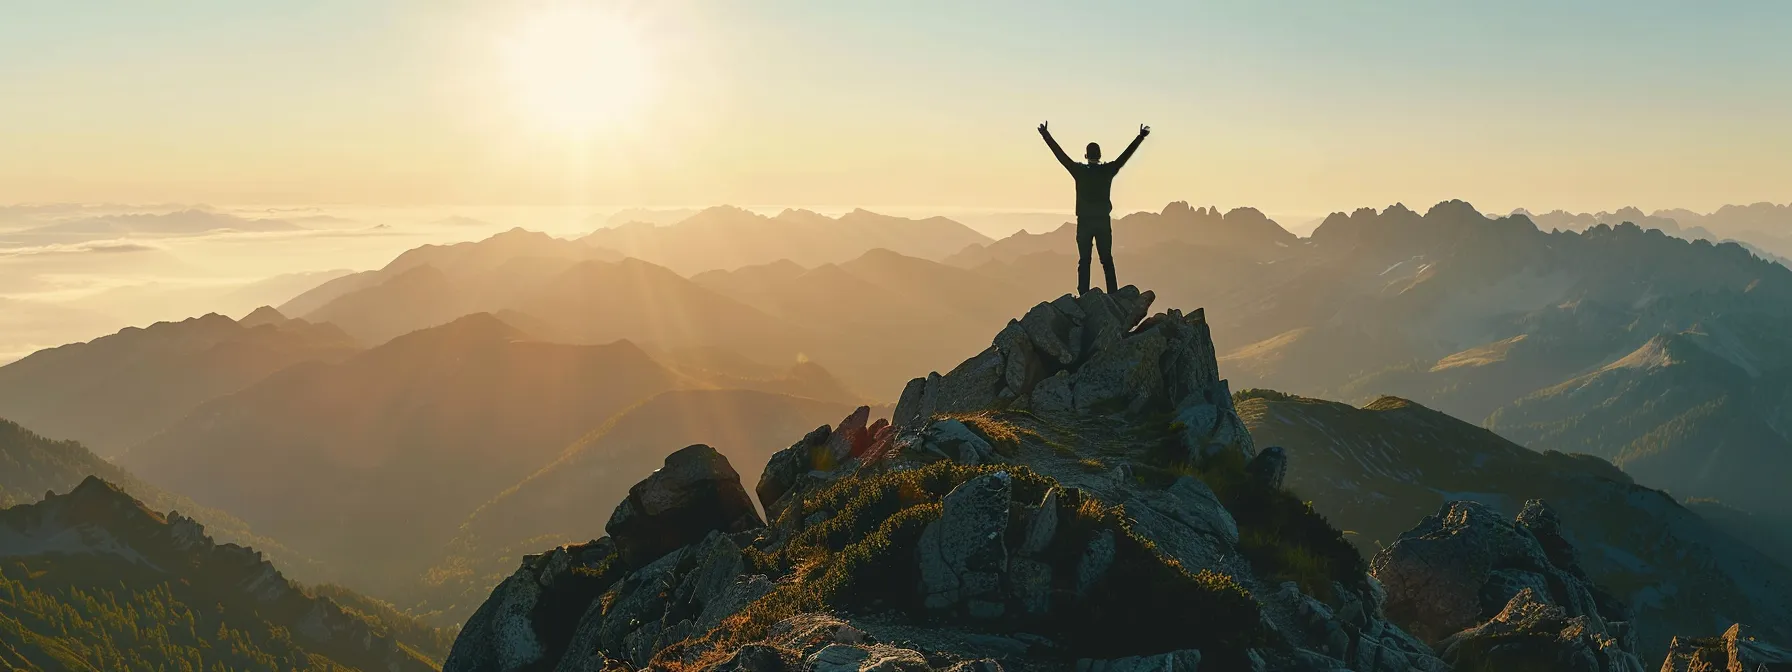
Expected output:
{"points": [[1507, 593], [696, 492], [1093, 354], [1737, 650]]}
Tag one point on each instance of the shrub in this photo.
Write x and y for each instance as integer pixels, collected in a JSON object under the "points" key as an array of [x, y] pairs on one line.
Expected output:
{"points": [[1283, 537], [1003, 434]]}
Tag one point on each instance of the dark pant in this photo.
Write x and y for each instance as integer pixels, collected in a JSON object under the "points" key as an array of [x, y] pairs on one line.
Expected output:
{"points": [[1100, 231]]}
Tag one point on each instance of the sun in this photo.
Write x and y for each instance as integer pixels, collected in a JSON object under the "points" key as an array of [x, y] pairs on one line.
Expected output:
{"points": [[577, 69]]}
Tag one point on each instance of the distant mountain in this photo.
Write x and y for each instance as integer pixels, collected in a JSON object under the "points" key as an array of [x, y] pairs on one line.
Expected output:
{"points": [[554, 505], [369, 464], [1376, 470], [666, 217], [94, 580], [1562, 219], [115, 391], [1693, 413], [1242, 231], [100, 227], [727, 238], [507, 250]]}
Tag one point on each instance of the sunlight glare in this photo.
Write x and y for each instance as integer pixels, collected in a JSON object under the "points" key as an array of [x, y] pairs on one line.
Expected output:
{"points": [[578, 69]]}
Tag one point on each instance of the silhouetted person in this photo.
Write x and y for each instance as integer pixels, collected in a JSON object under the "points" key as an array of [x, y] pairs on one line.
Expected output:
{"points": [[1093, 206]]}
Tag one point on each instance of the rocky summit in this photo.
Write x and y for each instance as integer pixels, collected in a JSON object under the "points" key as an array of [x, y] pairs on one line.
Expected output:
{"points": [[1081, 495]]}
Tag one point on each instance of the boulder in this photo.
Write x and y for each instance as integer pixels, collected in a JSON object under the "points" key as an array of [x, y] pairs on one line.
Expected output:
{"points": [[1532, 634], [1269, 467], [963, 556], [1471, 582], [695, 493], [504, 635], [954, 440]]}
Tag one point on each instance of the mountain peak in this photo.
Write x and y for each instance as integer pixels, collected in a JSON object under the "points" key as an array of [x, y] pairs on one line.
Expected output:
{"points": [[261, 316]]}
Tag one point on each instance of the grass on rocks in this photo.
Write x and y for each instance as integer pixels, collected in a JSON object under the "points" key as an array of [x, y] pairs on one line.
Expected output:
{"points": [[863, 556]]}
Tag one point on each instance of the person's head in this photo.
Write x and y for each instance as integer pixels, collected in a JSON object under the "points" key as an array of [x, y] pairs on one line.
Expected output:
{"points": [[1093, 153]]}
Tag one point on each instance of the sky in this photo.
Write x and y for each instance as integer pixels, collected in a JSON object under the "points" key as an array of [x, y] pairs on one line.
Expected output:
{"points": [[1291, 107]]}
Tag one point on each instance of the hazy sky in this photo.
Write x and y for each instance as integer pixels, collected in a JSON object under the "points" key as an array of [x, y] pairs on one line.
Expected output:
{"points": [[1290, 106]]}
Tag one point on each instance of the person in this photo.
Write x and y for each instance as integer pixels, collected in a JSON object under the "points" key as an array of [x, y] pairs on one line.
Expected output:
{"points": [[1094, 207]]}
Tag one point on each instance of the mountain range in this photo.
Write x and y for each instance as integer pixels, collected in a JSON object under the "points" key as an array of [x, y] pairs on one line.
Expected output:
{"points": [[726, 238]]}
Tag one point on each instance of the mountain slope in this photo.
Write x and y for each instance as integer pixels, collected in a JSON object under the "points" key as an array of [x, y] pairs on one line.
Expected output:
{"points": [[31, 465], [1381, 468], [369, 464], [1676, 414], [94, 580], [115, 391]]}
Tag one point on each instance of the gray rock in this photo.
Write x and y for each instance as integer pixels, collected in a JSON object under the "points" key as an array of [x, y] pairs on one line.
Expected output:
{"points": [[1053, 394], [956, 441], [1434, 573], [973, 385], [984, 665], [1049, 331], [1269, 467], [1532, 634], [1187, 660], [1043, 526], [696, 492], [962, 554], [1093, 566], [914, 405]]}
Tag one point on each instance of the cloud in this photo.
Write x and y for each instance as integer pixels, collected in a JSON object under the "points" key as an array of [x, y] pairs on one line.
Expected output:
{"points": [[88, 247]]}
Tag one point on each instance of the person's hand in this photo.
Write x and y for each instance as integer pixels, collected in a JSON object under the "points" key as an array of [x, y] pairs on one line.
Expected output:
{"points": [[1042, 130], [1143, 129]]}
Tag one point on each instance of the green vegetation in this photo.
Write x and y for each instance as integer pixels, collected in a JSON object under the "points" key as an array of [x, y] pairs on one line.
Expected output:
{"points": [[862, 556], [1283, 537], [430, 642], [1003, 434], [52, 622]]}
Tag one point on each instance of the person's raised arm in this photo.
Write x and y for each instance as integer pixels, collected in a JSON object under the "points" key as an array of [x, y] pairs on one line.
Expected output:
{"points": [[1056, 150], [1121, 162]]}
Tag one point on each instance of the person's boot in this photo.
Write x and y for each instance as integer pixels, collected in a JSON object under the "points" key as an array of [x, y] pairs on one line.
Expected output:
{"points": [[1108, 266]]}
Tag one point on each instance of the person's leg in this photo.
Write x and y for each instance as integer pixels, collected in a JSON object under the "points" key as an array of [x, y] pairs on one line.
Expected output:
{"points": [[1085, 235], [1104, 241]]}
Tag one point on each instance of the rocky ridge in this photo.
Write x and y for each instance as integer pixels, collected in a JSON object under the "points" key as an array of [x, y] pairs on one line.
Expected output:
{"points": [[1080, 495]]}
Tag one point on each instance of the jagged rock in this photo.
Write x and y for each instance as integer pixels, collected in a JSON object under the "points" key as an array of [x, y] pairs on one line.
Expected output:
{"points": [[1737, 650], [787, 467], [984, 665], [1440, 575], [852, 434], [963, 556], [696, 492], [1531, 634], [1502, 595], [954, 440], [1188, 660], [1269, 467]]}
